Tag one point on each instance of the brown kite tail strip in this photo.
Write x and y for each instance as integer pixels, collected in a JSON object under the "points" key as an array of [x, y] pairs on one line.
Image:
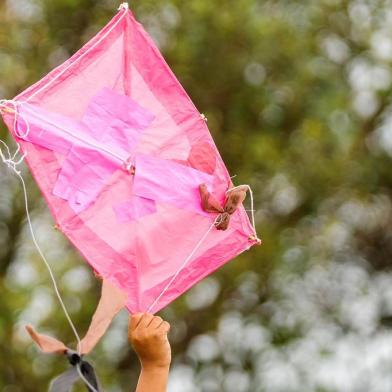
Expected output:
{"points": [[208, 202]]}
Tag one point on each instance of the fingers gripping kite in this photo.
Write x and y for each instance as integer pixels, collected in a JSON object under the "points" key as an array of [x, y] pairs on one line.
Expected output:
{"points": [[125, 161]]}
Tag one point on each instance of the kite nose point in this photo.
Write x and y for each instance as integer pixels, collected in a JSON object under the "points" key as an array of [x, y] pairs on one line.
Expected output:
{"points": [[256, 239], [123, 6]]}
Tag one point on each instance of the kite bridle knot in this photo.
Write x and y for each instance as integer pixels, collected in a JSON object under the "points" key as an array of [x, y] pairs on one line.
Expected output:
{"points": [[129, 166], [222, 220]]}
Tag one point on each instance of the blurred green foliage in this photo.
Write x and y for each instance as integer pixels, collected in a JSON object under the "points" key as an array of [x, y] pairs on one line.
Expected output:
{"points": [[298, 99]]}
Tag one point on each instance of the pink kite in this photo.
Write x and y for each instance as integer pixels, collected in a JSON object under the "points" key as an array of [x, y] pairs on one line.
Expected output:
{"points": [[130, 172]]}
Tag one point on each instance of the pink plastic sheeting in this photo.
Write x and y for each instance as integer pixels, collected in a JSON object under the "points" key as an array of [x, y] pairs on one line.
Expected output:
{"points": [[95, 147], [113, 105]]}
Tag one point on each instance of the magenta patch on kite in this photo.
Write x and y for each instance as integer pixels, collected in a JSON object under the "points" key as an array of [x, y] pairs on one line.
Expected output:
{"points": [[112, 126], [116, 120]]}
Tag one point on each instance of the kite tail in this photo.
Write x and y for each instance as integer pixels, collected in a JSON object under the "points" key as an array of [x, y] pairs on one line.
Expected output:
{"points": [[111, 302]]}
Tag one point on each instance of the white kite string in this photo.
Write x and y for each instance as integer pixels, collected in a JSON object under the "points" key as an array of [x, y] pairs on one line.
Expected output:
{"points": [[182, 266], [12, 164], [215, 223]]}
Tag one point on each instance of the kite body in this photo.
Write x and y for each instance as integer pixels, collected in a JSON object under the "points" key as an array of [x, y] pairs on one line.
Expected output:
{"points": [[120, 151]]}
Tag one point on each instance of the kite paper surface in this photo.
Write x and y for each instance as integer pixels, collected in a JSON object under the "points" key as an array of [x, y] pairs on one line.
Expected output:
{"points": [[119, 151]]}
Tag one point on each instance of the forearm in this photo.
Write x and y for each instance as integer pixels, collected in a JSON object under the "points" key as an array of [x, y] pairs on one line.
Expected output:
{"points": [[153, 379]]}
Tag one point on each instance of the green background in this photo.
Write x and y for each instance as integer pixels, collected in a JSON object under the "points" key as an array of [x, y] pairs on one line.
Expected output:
{"points": [[298, 100]]}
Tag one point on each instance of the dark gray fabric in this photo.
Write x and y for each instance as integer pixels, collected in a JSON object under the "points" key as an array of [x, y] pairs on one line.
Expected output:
{"points": [[89, 373], [66, 380]]}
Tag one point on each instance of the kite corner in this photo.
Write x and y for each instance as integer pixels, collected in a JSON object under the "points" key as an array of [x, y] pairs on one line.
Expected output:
{"points": [[256, 240]]}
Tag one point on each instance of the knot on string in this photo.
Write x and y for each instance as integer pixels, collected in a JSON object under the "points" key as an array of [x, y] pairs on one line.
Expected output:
{"points": [[11, 160], [73, 357], [222, 221], [129, 166], [123, 6]]}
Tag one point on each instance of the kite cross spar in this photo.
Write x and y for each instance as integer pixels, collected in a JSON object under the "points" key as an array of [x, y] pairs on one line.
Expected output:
{"points": [[125, 161]]}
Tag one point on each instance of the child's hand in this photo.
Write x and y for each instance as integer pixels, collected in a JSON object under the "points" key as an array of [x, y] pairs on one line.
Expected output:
{"points": [[148, 335]]}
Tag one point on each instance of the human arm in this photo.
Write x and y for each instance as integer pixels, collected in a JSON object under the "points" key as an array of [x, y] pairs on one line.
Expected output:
{"points": [[148, 336]]}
